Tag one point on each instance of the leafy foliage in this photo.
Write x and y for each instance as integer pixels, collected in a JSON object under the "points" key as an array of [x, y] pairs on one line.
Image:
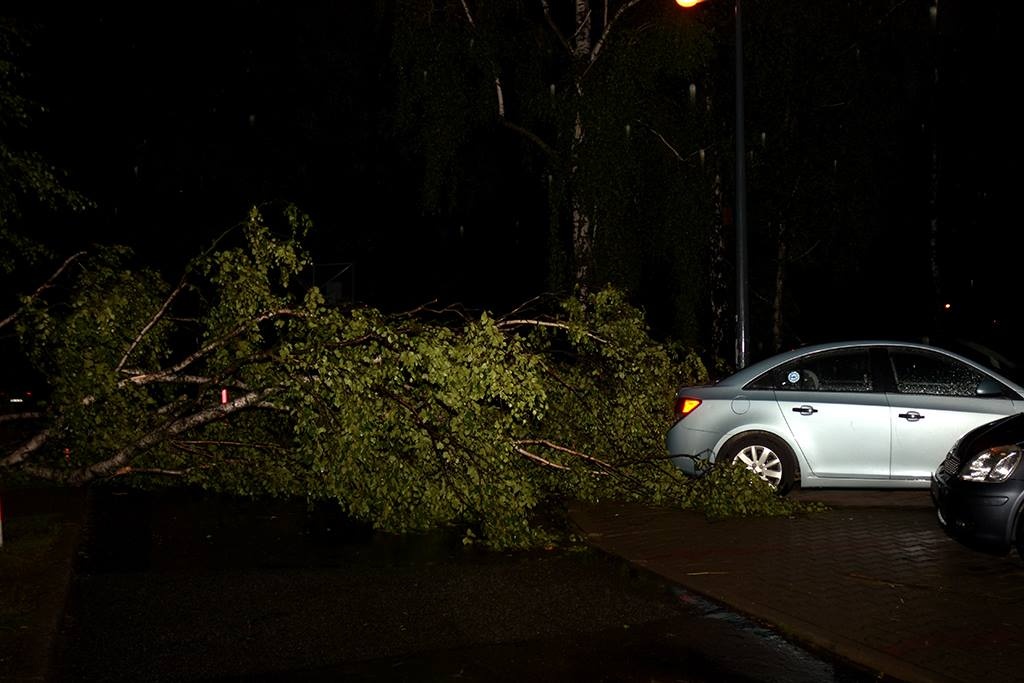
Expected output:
{"points": [[239, 380], [731, 490]]}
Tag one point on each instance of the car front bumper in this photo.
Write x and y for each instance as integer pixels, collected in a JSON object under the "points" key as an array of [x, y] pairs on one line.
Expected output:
{"points": [[975, 512]]}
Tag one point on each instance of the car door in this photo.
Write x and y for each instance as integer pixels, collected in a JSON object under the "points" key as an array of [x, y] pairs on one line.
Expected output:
{"points": [[935, 402], [837, 418]]}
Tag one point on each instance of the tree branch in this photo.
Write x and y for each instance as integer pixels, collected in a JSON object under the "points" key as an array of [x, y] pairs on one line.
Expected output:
{"points": [[562, 449], [542, 461], [599, 45], [120, 462], [123, 457], [503, 324], [145, 378], [554, 27], [43, 287], [124, 471], [673, 150], [20, 454], [223, 442], [156, 318], [531, 136]]}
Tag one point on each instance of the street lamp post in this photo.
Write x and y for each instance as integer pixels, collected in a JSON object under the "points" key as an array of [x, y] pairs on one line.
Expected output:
{"points": [[740, 208]]}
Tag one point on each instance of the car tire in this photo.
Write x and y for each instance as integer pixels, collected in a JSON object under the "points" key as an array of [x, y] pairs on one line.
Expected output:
{"points": [[765, 455]]}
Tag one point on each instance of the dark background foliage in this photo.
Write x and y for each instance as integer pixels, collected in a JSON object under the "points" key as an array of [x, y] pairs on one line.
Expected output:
{"points": [[868, 123]]}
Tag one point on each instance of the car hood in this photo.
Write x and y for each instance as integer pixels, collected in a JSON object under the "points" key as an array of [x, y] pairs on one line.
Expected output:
{"points": [[1005, 430]]}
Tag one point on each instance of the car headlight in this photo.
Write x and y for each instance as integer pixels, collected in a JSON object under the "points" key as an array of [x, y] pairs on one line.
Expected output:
{"points": [[993, 464]]}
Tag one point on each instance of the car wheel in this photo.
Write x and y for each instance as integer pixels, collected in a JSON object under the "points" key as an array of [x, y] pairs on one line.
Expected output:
{"points": [[766, 456]]}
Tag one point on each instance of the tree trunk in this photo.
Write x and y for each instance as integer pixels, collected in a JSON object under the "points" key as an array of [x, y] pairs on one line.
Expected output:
{"points": [[582, 224], [582, 218]]}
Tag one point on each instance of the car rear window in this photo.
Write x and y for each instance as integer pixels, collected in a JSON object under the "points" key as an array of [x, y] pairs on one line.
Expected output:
{"points": [[844, 370]]}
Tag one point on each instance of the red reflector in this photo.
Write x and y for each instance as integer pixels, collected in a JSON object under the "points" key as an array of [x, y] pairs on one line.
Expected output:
{"points": [[685, 406]]}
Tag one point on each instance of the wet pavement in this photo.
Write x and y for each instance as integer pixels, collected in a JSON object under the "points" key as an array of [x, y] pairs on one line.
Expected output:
{"points": [[874, 580], [189, 588]]}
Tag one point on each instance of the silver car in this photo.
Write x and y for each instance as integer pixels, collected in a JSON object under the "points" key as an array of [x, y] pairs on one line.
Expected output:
{"points": [[847, 414]]}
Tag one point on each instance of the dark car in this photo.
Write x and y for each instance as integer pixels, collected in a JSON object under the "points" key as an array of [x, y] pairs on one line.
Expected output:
{"points": [[21, 387], [17, 399], [978, 490]]}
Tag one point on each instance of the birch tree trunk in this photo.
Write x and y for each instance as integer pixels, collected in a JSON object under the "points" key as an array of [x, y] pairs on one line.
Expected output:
{"points": [[582, 218], [592, 24]]}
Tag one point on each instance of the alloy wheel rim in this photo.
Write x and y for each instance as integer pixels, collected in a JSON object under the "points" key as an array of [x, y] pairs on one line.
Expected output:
{"points": [[762, 461]]}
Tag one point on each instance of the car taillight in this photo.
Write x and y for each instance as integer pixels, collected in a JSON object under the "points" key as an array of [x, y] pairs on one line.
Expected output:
{"points": [[685, 405]]}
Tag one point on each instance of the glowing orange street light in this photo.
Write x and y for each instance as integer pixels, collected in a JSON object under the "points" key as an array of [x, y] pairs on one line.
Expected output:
{"points": [[740, 211]]}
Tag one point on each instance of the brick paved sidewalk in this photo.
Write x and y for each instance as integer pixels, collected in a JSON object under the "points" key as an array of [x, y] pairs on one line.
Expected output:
{"points": [[883, 587]]}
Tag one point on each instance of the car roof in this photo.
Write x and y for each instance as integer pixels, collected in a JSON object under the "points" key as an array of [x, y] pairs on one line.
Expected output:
{"points": [[755, 370]]}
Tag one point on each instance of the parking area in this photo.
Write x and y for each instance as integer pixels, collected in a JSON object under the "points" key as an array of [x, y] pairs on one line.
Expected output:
{"points": [[858, 498], [874, 580]]}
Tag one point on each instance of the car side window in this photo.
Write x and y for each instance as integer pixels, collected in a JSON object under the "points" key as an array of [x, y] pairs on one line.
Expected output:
{"points": [[838, 371], [930, 374]]}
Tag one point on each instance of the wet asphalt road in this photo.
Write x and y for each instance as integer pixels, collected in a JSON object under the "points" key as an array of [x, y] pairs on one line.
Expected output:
{"points": [[187, 587]]}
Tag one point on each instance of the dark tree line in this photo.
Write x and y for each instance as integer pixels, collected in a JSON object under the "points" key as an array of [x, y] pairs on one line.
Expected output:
{"points": [[483, 152]]}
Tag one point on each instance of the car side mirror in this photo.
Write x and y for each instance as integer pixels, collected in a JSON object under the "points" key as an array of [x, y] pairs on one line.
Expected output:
{"points": [[988, 387]]}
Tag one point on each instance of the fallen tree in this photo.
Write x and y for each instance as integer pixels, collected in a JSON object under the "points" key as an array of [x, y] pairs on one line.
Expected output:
{"points": [[237, 378]]}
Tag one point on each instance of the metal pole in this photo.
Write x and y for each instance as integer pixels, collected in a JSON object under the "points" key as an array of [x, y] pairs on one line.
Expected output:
{"points": [[742, 312]]}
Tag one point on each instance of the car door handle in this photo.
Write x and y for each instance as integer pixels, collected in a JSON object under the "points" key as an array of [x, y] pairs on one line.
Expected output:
{"points": [[912, 416], [805, 410]]}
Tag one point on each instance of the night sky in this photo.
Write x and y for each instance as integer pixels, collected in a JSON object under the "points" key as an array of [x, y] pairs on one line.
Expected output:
{"points": [[175, 121], [176, 124]]}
